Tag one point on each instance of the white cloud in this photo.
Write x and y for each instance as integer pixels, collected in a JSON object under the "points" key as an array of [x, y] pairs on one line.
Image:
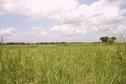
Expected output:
{"points": [[100, 15], [38, 8], [38, 31], [73, 19], [7, 31], [67, 30], [11, 34]]}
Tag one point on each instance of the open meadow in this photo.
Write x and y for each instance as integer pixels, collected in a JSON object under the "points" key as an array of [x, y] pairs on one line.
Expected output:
{"points": [[63, 64]]}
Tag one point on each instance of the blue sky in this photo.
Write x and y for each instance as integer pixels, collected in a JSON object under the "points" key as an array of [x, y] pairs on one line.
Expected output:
{"points": [[21, 23], [86, 1], [61, 20]]}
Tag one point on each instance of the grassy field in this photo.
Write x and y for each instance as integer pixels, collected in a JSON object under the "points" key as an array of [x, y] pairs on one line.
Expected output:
{"points": [[63, 64]]}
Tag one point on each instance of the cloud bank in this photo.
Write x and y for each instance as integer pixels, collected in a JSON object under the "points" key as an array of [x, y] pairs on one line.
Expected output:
{"points": [[75, 22]]}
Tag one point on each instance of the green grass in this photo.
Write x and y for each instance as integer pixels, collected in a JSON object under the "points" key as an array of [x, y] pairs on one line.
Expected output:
{"points": [[63, 64]]}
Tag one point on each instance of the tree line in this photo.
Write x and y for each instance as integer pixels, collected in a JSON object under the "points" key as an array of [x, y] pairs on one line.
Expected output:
{"points": [[105, 39]]}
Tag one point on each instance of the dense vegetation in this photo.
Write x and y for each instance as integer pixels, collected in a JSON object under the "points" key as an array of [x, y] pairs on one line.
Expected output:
{"points": [[63, 64]]}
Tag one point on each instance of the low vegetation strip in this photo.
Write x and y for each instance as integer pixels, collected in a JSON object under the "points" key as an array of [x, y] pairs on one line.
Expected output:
{"points": [[69, 64]]}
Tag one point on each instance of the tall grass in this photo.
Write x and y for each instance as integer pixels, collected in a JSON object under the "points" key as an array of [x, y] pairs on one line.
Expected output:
{"points": [[59, 64]]}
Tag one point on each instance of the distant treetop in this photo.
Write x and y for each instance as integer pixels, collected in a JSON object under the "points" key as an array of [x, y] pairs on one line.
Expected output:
{"points": [[107, 39]]}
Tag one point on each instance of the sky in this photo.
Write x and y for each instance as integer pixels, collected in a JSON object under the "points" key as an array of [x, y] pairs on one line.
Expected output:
{"points": [[61, 20]]}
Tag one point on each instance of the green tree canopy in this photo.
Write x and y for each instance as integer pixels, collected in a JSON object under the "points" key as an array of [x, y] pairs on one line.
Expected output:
{"points": [[107, 39]]}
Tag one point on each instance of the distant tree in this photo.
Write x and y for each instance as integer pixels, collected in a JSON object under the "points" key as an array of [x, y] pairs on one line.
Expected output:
{"points": [[113, 38], [104, 39], [107, 39]]}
